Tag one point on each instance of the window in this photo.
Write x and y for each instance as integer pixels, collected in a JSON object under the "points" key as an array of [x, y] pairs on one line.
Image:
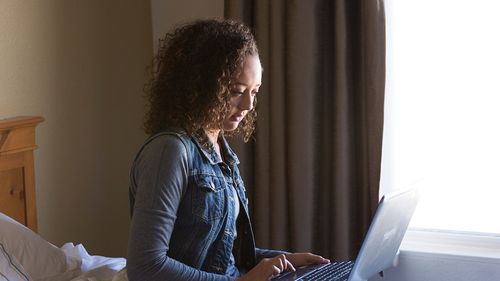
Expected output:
{"points": [[442, 120]]}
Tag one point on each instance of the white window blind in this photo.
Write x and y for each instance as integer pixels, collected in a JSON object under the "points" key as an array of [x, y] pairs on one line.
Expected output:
{"points": [[442, 119]]}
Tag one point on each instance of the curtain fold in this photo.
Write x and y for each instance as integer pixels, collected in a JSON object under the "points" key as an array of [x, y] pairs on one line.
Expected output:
{"points": [[312, 173]]}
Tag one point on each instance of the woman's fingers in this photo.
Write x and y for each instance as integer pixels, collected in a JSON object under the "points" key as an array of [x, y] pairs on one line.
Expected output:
{"points": [[276, 271], [280, 264], [277, 266], [286, 264], [312, 258], [268, 268], [289, 265]]}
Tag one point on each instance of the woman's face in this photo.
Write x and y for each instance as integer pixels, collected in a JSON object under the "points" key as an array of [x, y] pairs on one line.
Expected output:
{"points": [[243, 92]]}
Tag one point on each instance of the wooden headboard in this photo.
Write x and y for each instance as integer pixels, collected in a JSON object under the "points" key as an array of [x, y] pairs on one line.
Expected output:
{"points": [[17, 176]]}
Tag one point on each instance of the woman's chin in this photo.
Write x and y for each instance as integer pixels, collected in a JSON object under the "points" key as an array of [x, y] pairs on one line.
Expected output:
{"points": [[231, 126]]}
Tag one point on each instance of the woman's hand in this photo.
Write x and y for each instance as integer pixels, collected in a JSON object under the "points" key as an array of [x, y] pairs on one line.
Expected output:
{"points": [[268, 268], [301, 259]]}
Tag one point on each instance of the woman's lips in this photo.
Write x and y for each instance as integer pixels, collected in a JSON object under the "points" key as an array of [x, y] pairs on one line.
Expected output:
{"points": [[237, 117]]}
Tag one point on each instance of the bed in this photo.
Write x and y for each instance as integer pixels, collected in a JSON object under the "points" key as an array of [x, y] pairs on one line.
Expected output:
{"points": [[25, 255]]}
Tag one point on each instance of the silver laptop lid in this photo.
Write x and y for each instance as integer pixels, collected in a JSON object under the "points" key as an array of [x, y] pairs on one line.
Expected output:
{"points": [[385, 234]]}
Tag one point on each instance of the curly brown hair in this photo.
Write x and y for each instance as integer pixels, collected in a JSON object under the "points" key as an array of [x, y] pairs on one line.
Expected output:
{"points": [[192, 74]]}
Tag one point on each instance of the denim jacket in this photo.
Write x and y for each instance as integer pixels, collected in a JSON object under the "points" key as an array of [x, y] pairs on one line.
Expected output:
{"points": [[183, 205]]}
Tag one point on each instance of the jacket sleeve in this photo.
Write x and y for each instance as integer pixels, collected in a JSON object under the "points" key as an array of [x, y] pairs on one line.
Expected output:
{"points": [[160, 176], [266, 253]]}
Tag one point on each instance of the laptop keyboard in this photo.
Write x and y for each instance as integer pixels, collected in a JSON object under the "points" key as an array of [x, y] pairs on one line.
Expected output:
{"points": [[336, 271]]}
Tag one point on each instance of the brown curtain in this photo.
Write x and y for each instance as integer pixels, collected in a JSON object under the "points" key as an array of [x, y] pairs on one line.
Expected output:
{"points": [[312, 173]]}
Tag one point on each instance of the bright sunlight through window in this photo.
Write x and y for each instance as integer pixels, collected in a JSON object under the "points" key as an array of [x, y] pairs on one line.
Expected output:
{"points": [[442, 120]]}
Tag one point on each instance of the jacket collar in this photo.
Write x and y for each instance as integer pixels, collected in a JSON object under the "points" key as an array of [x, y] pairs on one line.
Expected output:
{"points": [[211, 155]]}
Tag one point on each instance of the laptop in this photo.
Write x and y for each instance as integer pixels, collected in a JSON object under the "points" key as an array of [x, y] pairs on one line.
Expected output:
{"points": [[379, 249]]}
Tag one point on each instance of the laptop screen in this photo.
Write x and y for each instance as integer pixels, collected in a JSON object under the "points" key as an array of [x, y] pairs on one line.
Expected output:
{"points": [[385, 234]]}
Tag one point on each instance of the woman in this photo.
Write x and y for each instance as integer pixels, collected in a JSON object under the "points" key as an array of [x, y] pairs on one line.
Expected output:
{"points": [[189, 210]]}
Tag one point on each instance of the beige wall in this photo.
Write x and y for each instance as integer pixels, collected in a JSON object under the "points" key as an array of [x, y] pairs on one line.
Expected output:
{"points": [[168, 13], [81, 65]]}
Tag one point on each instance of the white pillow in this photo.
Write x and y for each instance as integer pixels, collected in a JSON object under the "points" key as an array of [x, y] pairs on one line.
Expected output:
{"points": [[10, 268], [39, 258]]}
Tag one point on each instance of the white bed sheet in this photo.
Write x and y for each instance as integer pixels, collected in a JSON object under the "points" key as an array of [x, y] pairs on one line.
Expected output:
{"points": [[84, 267], [36, 259]]}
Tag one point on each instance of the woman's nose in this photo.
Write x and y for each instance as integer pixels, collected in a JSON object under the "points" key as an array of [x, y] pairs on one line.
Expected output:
{"points": [[246, 102]]}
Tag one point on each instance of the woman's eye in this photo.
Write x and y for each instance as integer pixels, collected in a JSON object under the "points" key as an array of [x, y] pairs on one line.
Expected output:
{"points": [[236, 93], [254, 93]]}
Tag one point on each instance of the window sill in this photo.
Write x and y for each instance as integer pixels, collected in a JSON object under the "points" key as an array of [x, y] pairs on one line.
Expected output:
{"points": [[464, 245], [432, 255]]}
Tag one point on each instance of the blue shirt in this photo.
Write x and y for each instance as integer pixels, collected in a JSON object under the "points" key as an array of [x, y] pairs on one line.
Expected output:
{"points": [[184, 213]]}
